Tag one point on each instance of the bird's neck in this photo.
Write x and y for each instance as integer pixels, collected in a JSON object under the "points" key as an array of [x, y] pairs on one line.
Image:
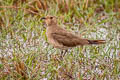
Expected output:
{"points": [[52, 25], [52, 28]]}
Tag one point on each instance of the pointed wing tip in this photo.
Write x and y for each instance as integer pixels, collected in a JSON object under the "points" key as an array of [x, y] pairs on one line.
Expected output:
{"points": [[102, 41]]}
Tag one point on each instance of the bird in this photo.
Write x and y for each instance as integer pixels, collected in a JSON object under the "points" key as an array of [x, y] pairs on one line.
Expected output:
{"points": [[63, 39]]}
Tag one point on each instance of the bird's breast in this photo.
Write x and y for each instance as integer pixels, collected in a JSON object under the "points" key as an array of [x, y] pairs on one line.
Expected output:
{"points": [[51, 39]]}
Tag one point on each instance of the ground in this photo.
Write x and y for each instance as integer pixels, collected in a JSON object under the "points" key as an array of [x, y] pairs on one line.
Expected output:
{"points": [[25, 53]]}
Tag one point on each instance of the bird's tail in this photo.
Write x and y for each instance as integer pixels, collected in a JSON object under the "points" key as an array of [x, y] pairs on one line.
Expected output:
{"points": [[96, 41]]}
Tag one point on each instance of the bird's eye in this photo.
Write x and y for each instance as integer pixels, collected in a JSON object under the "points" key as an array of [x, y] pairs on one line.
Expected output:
{"points": [[51, 17]]}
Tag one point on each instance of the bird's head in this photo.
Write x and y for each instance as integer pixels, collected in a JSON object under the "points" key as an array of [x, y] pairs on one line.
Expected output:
{"points": [[50, 20]]}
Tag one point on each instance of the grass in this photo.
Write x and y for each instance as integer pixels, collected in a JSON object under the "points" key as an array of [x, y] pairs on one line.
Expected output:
{"points": [[26, 55]]}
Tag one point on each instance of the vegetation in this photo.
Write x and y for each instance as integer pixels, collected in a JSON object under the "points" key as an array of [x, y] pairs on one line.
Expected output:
{"points": [[26, 55]]}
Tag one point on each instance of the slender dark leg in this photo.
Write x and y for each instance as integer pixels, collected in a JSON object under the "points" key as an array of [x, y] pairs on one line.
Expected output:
{"points": [[63, 53]]}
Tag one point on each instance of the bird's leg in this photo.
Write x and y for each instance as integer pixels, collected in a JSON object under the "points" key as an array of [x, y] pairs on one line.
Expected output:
{"points": [[63, 53]]}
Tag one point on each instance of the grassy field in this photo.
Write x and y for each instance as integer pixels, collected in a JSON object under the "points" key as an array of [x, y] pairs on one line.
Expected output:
{"points": [[25, 53]]}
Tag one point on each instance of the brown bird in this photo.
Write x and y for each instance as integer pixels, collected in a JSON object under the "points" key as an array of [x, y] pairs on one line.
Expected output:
{"points": [[63, 39]]}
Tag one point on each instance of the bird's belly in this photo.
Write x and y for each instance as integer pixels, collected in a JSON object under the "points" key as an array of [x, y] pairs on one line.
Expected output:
{"points": [[53, 42], [56, 44]]}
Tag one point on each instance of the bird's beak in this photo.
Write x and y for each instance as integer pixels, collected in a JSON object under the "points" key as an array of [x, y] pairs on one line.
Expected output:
{"points": [[43, 18]]}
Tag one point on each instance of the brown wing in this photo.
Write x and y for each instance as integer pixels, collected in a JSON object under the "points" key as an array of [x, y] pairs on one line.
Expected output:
{"points": [[67, 39]]}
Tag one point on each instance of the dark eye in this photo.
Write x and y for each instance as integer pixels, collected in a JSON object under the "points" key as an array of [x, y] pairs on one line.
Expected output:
{"points": [[51, 17]]}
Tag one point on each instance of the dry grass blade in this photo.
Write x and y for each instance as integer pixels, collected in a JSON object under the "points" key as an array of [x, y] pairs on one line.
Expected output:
{"points": [[32, 10], [20, 68]]}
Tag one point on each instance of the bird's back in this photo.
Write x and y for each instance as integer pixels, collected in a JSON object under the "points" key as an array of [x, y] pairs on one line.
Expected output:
{"points": [[64, 37]]}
